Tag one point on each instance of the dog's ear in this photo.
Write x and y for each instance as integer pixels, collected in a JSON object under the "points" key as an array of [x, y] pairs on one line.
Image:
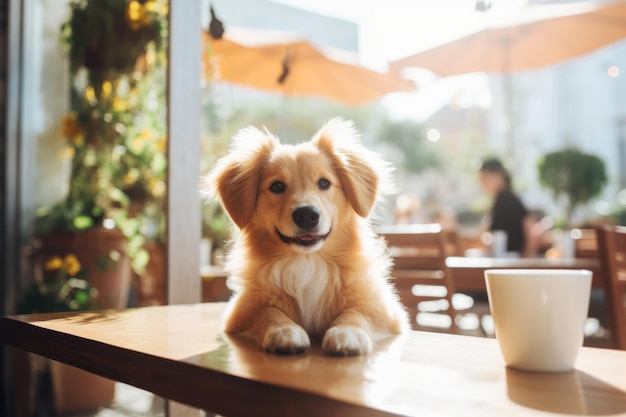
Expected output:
{"points": [[364, 175], [235, 178]]}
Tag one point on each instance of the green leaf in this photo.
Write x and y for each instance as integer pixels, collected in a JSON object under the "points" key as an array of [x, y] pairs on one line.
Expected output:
{"points": [[82, 222], [159, 163], [140, 261]]}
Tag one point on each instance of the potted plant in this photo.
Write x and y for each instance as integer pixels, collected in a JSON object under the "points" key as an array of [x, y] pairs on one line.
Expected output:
{"points": [[115, 137], [62, 286], [574, 176]]}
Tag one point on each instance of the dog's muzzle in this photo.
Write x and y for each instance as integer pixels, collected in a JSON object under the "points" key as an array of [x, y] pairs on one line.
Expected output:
{"points": [[307, 219]]}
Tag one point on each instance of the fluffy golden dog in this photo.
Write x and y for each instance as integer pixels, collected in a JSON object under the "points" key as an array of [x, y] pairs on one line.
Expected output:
{"points": [[305, 262]]}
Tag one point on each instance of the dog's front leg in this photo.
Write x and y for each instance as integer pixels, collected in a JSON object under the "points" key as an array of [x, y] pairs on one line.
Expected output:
{"points": [[348, 335], [275, 332]]}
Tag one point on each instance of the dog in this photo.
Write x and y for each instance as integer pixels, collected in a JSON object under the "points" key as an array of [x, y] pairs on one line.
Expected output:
{"points": [[305, 262]]}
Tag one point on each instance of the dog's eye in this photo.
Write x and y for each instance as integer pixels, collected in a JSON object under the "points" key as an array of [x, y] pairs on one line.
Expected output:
{"points": [[323, 184], [278, 187]]}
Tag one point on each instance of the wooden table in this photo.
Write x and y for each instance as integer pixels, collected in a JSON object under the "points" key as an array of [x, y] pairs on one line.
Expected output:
{"points": [[469, 273], [178, 352]]}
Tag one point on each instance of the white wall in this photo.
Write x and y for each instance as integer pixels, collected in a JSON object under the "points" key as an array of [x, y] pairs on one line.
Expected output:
{"points": [[46, 101]]}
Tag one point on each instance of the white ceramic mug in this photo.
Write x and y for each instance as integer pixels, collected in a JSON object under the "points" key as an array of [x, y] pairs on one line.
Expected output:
{"points": [[539, 316]]}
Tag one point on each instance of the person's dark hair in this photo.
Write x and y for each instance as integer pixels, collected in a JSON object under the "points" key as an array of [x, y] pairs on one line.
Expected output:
{"points": [[495, 166]]}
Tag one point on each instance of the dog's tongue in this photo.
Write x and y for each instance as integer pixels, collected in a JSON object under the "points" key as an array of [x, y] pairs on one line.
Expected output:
{"points": [[307, 237]]}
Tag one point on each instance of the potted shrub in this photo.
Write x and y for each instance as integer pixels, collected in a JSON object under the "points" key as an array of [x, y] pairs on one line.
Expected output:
{"points": [[115, 135], [116, 139], [62, 286], [574, 176]]}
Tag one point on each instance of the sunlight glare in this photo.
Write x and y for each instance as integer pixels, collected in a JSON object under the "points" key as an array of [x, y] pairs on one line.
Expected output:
{"points": [[433, 135], [108, 224], [603, 208]]}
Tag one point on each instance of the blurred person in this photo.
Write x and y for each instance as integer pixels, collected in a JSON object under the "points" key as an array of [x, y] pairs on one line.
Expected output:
{"points": [[539, 233], [508, 213]]}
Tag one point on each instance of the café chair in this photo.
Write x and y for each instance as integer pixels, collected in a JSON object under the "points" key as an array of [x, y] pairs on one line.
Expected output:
{"points": [[612, 251], [585, 243], [586, 247], [420, 274]]}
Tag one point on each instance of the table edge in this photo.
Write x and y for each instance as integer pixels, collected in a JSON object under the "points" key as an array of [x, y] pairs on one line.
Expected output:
{"points": [[268, 399]]}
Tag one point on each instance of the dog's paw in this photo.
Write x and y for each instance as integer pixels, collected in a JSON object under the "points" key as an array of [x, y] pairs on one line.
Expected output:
{"points": [[285, 340], [346, 341]]}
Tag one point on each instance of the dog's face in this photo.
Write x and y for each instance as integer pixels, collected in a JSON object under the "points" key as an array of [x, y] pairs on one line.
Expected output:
{"points": [[299, 195]]}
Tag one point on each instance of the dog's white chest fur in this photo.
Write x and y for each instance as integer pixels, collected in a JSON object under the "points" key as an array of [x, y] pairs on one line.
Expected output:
{"points": [[307, 278]]}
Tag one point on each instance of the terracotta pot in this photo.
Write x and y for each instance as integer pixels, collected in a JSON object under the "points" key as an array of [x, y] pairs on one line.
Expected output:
{"points": [[151, 284], [77, 390], [102, 253]]}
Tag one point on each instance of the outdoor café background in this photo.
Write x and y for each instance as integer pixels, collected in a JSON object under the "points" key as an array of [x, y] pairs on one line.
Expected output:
{"points": [[436, 136]]}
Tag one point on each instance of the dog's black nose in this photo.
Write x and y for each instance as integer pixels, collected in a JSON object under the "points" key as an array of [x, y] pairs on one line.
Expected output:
{"points": [[306, 217]]}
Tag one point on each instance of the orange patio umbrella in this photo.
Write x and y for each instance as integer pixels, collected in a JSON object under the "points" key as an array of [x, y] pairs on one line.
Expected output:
{"points": [[285, 63], [538, 36]]}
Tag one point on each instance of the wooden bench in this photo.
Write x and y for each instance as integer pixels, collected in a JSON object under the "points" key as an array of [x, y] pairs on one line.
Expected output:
{"points": [[179, 353]]}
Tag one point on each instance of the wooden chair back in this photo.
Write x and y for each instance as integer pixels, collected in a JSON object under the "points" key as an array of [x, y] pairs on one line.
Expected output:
{"points": [[420, 274], [585, 243], [612, 248]]}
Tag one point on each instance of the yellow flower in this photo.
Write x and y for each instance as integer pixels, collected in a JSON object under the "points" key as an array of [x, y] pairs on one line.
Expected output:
{"points": [[119, 105], [133, 12], [157, 187], [68, 152], [137, 15], [161, 144], [151, 57], [53, 264], [69, 126], [139, 141], [71, 264], [90, 95], [131, 177], [151, 6], [164, 9], [107, 88]]}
